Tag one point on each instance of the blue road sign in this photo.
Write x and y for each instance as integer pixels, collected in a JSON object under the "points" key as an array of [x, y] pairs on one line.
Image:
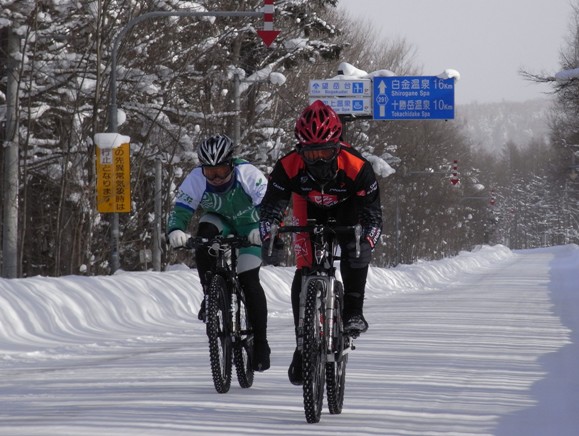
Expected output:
{"points": [[361, 106], [413, 98], [340, 88]]}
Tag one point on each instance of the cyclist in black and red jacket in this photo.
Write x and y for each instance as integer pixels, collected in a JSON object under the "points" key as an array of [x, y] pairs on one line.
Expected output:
{"points": [[326, 178]]}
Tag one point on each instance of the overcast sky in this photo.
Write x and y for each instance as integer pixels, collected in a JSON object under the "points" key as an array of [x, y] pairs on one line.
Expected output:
{"points": [[487, 41]]}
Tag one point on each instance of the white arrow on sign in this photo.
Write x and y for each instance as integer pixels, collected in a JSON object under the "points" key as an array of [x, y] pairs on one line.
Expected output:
{"points": [[382, 98]]}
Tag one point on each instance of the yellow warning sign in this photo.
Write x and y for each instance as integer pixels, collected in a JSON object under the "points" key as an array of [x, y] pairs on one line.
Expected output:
{"points": [[113, 179]]}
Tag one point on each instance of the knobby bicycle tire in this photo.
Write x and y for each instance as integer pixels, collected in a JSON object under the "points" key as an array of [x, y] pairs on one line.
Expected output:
{"points": [[218, 326], [336, 370], [243, 346], [314, 352]]}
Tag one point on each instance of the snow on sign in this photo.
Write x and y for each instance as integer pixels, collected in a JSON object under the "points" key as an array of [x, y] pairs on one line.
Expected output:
{"points": [[413, 98], [353, 97]]}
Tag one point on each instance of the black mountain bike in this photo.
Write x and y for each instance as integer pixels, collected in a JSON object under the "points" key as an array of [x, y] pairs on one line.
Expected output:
{"points": [[227, 322], [324, 343]]}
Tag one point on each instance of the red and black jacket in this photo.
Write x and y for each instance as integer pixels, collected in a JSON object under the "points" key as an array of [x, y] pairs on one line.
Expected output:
{"points": [[355, 180]]}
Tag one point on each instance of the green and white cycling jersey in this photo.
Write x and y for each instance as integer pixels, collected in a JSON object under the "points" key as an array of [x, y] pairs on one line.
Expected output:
{"points": [[237, 203]]}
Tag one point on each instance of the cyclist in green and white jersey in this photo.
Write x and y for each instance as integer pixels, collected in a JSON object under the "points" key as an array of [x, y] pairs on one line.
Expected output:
{"points": [[229, 192]]}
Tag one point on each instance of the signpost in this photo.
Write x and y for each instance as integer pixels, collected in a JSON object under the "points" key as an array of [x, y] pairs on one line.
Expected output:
{"points": [[388, 98], [413, 98], [268, 34], [344, 96], [113, 179], [341, 88]]}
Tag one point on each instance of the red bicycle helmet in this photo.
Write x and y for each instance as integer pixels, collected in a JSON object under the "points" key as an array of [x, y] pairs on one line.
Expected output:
{"points": [[318, 124]]}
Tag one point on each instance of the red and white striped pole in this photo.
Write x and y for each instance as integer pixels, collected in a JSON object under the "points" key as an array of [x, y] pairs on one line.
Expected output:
{"points": [[454, 177], [268, 34]]}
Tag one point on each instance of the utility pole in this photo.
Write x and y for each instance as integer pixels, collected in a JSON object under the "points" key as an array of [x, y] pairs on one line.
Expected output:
{"points": [[11, 163], [157, 232]]}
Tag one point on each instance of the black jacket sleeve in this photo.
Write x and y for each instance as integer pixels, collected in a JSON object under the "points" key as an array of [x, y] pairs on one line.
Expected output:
{"points": [[277, 196], [370, 209]]}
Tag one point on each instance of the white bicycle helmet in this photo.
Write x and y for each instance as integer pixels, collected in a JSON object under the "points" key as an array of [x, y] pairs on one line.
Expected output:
{"points": [[215, 150]]}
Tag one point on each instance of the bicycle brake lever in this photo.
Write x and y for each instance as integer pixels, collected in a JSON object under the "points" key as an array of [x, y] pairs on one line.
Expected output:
{"points": [[358, 235], [273, 233]]}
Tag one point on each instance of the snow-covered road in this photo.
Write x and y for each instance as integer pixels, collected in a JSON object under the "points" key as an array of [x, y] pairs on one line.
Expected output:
{"points": [[482, 344]]}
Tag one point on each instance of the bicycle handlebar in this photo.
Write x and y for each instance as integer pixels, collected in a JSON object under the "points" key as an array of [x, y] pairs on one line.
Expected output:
{"points": [[217, 241], [314, 229]]}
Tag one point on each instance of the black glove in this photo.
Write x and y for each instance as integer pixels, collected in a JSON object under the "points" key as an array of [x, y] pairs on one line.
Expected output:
{"points": [[372, 235]]}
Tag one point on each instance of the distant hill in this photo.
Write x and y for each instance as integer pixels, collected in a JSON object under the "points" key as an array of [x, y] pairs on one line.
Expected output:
{"points": [[492, 125]]}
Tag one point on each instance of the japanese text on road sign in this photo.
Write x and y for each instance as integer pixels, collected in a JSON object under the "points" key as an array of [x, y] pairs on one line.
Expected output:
{"points": [[342, 88], [113, 179], [413, 98]]}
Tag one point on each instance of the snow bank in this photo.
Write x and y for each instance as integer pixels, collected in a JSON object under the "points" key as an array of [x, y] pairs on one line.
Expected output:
{"points": [[41, 313]]}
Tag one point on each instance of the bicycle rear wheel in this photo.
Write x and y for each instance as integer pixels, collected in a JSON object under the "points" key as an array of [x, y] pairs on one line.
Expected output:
{"points": [[243, 347], [218, 332], [314, 351], [336, 370]]}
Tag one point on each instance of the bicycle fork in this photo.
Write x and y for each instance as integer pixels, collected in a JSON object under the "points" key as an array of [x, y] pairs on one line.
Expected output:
{"points": [[331, 315], [233, 310]]}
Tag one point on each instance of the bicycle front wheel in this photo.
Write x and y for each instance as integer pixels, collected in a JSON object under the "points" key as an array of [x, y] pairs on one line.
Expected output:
{"points": [[336, 370], [314, 351], [243, 347], [218, 332]]}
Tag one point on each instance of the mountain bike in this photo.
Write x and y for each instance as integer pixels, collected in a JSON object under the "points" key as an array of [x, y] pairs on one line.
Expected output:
{"points": [[324, 344], [228, 327]]}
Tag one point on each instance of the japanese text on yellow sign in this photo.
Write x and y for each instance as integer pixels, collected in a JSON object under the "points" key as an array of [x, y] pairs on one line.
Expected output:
{"points": [[113, 179]]}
